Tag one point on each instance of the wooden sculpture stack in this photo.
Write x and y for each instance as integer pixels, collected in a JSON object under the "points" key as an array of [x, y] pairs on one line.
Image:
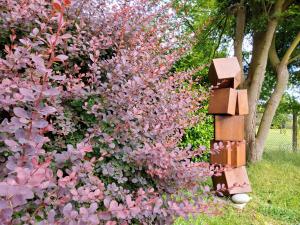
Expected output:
{"points": [[229, 106]]}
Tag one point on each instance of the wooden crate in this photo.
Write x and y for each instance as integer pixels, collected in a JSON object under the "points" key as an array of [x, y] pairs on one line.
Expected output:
{"points": [[242, 107], [230, 153], [222, 156], [229, 128], [223, 101], [235, 181], [238, 154], [225, 73]]}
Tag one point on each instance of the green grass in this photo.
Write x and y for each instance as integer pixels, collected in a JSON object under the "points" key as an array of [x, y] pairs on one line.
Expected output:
{"points": [[276, 191]]}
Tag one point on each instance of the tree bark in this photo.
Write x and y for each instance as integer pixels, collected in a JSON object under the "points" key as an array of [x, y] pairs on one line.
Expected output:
{"points": [[262, 42], [295, 130], [239, 32], [270, 110]]}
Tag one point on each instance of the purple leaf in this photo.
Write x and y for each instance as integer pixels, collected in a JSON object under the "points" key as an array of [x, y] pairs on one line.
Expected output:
{"points": [[74, 214], [18, 200], [112, 145], [39, 123], [135, 211], [51, 216], [158, 205], [6, 214], [66, 36], [58, 78], [4, 204], [9, 190], [83, 211], [20, 135], [67, 209], [52, 92], [24, 121], [14, 146], [20, 112], [38, 61], [106, 202], [129, 202], [206, 188], [122, 214], [61, 57], [35, 31], [113, 206], [94, 219], [11, 143], [47, 110], [26, 92], [110, 222], [93, 207]]}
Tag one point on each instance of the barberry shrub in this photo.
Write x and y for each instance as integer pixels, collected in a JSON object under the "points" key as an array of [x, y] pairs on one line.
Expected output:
{"points": [[92, 116]]}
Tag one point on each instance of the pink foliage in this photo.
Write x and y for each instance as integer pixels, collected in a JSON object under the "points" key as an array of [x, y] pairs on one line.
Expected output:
{"points": [[122, 53]]}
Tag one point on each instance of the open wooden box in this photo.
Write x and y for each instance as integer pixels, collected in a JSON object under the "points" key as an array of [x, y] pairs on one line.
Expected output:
{"points": [[229, 153], [235, 181], [223, 101], [225, 73]]}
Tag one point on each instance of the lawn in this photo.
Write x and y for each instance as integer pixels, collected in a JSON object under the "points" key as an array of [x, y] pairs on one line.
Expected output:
{"points": [[276, 193]]}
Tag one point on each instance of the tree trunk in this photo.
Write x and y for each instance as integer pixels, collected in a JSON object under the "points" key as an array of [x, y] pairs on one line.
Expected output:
{"points": [[271, 107], [256, 74], [295, 130], [239, 32], [261, 45]]}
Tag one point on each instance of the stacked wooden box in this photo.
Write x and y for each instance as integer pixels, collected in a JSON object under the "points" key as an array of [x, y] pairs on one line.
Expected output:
{"points": [[229, 106]]}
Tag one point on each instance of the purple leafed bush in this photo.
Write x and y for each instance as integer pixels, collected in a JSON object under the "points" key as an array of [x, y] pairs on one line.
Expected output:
{"points": [[92, 114]]}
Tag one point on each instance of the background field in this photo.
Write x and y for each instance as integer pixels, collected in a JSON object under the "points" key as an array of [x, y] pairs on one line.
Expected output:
{"points": [[280, 140], [276, 193]]}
